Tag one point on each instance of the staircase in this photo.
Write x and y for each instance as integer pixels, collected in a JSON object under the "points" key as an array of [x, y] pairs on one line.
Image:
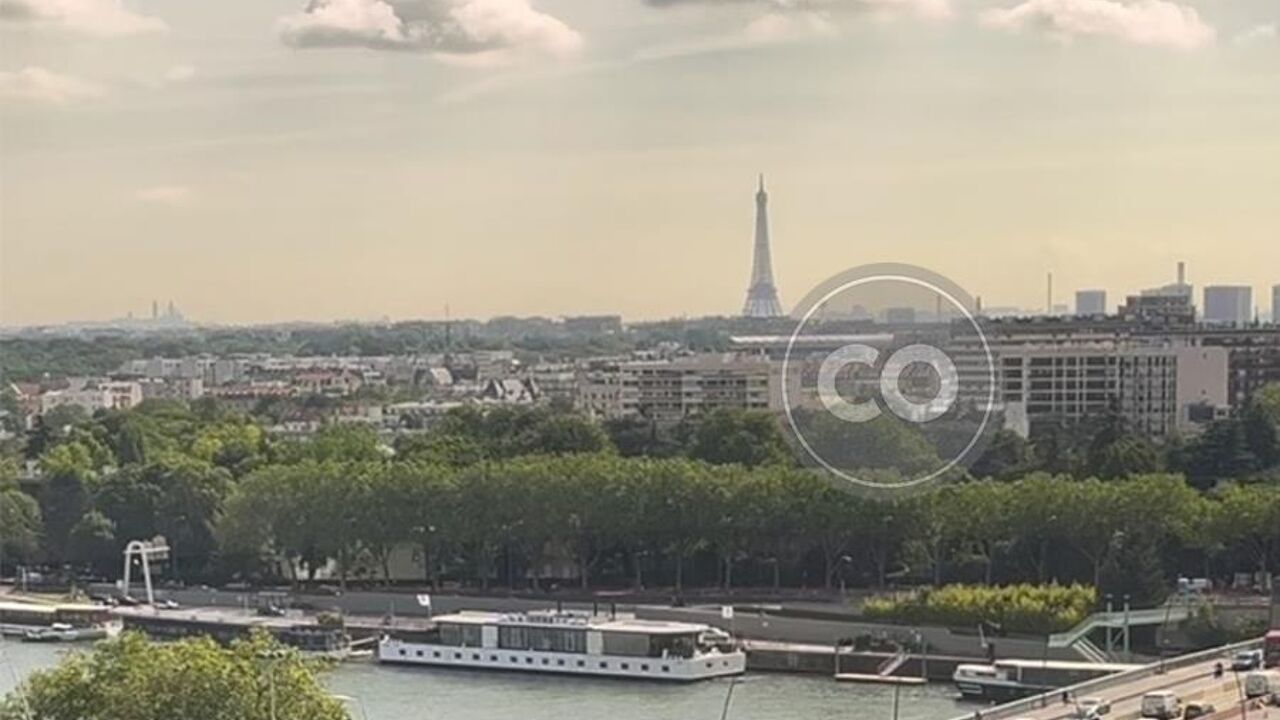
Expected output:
{"points": [[1089, 651], [890, 666]]}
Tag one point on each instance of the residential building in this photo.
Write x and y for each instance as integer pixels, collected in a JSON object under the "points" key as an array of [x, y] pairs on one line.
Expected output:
{"points": [[670, 390], [93, 394], [1158, 390]]}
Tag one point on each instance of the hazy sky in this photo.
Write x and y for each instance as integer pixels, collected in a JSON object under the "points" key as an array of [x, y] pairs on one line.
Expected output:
{"points": [[262, 160]]}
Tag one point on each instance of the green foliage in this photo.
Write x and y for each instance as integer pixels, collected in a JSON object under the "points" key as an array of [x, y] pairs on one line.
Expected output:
{"points": [[739, 436], [131, 678], [1016, 608]]}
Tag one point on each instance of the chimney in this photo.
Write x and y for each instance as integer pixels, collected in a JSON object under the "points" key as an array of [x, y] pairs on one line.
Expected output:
{"points": [[1182, 273]]}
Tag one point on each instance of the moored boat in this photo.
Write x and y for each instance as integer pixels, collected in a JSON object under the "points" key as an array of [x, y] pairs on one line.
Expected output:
{"points": [[62, 632], [569, 643]]}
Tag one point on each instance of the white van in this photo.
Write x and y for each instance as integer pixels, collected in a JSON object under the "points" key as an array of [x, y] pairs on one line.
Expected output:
{"points": [[1262, 683], [1162, 705]]}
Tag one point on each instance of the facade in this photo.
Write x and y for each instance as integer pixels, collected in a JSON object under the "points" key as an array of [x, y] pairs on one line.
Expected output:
{"points": [[1228, 305], [93, 395], [1091, 302], [762, 294], [669, 391], [1159, 391], [180, 388]]}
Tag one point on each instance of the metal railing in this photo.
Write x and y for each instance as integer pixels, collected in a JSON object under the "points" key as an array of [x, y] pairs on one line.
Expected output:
{"points": [[1098, 685]]}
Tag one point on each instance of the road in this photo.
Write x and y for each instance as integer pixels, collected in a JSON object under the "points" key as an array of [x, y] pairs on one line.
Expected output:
{"points": [[1195, 683]]}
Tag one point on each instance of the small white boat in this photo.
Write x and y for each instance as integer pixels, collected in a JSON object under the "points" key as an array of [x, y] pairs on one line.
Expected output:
{"points": [[62, 632], [569, 643]]}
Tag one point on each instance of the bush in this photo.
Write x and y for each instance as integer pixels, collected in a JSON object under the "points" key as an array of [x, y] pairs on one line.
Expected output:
{"points": [[1039, 609]]}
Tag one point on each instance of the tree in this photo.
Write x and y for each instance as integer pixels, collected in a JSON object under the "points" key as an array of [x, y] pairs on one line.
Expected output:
{"points": [[739, 436], [19, 519], [131, 678], [1009, 456], [92, 543]]}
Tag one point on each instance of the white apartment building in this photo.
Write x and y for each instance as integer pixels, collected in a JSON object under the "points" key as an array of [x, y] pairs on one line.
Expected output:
{"points": [[1159, 390], [670, 390], [93, 395]]}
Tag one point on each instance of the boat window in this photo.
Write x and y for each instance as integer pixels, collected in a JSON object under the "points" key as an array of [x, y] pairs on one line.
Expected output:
{"points": [[460, 635]]}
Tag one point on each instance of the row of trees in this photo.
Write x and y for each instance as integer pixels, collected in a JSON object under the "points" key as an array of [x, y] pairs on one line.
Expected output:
{"points": [[679, 522], [718, 500]]}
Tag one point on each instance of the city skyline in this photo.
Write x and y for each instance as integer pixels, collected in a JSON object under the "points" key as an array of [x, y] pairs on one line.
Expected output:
{"points": [[262, 162]]}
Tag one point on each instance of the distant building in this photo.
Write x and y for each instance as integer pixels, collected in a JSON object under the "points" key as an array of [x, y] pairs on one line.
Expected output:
{"points": [[173, 389], [1181, 288], [1275, 305], [1228, 305], [510, 391], [762, 293], [1157, 390], [93, 394], [669, 391], [593, 324], [1091, 302], [1159, 310]]}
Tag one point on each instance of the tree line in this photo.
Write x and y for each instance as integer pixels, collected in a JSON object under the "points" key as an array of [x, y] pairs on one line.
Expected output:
{"points": [[514, 495]]}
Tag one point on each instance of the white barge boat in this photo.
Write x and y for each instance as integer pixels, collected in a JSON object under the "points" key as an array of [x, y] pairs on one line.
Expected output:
{"points": [[569, 643]]}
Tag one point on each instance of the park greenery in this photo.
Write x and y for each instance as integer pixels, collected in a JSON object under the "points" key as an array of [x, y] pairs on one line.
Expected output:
{"points": [[132, 678], [1011, 608], [533, 498]]}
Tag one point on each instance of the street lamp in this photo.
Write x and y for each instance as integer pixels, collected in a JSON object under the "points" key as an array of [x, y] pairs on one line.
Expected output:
{"points": [[845, 560]]}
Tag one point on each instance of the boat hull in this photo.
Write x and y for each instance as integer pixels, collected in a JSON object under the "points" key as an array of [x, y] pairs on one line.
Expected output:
{"points": [[701, 667]]}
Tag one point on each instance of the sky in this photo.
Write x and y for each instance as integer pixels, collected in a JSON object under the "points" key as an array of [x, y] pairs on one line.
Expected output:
{"points": [[274, 160]]}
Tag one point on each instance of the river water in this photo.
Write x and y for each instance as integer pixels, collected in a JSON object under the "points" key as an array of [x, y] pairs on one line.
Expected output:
{"points": [[408, 693]]}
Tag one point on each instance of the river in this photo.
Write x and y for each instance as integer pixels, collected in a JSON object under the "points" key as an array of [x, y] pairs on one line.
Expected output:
{"points": [[403, 693]]}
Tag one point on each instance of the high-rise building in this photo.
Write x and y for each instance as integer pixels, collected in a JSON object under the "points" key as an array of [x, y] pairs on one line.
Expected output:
{"points": [[762, 294], [1228, 305], [1275, 305], [1091, 302]]}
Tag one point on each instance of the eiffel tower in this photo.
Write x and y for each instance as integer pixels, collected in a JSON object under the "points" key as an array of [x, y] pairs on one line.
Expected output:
{"points": [[762, 295]]}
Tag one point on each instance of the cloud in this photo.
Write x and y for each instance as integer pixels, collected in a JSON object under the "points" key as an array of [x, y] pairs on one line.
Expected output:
{"points": [[776, 27], [461, 30], [179, 74], [38, 85], [927, 9], [99, 18], [1156, 23], [171, 195], [1267, 34]]}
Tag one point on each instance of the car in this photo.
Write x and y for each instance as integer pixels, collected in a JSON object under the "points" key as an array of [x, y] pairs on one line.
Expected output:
{"points": [[1161, 705], [1197, 710], [1092, 708], [166, 605], [1246, 660], [270, 610]]}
